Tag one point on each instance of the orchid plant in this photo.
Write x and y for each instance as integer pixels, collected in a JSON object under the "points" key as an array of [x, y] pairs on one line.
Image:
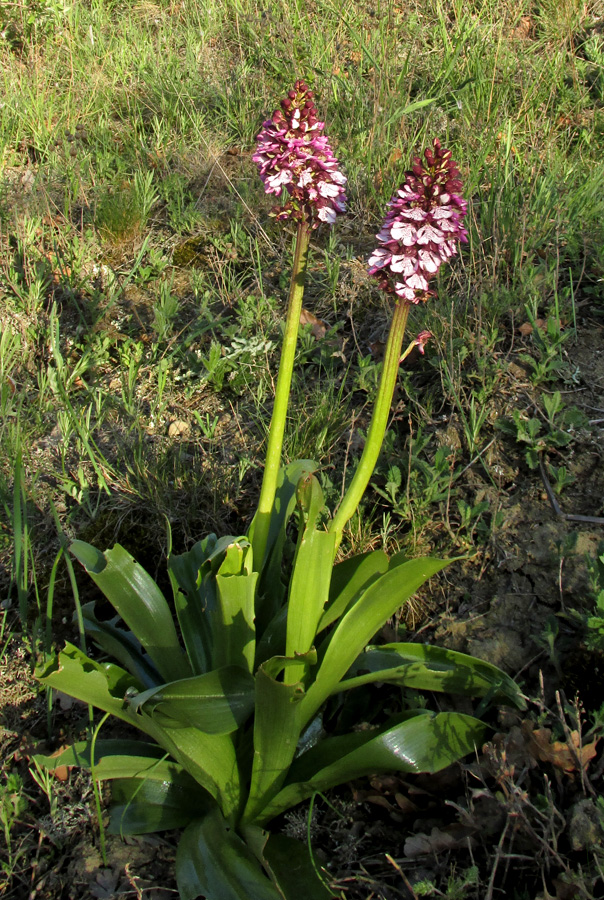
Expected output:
{"points": [[237, 682]]}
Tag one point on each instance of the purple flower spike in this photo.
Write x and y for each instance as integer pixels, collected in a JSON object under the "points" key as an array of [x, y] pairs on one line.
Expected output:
{"points": [[293, 153], [422, 228]]}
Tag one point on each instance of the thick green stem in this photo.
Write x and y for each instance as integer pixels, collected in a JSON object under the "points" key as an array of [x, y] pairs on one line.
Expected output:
{"points": [[284, 380], [379, 423]]}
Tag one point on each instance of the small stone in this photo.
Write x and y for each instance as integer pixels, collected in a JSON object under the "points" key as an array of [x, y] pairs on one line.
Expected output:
{"points": [[178, 429], [584, 826]]}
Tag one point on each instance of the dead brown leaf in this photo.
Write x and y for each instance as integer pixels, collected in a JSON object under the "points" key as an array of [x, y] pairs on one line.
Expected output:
{"points": [[317, 327], [559, 753], [525, 30]]}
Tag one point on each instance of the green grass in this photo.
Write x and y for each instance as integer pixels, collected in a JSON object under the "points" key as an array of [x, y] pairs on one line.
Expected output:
{"points": [[127, 129], [143, 283]]}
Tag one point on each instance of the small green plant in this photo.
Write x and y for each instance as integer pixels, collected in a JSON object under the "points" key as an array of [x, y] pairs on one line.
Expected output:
{"points": [[540, 437], [422, 480], [595, 623], [560, 478], [548, 362], [13, 804]]}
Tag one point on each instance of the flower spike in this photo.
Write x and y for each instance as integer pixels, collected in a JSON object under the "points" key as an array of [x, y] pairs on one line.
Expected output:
{"points": [[293, 153], [422, 227]]}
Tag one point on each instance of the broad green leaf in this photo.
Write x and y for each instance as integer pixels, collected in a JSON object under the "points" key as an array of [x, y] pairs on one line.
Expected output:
{"points": [[139, 602], [271, 588], [121, 645], [212, 861], [217, 702], [289, 864], [430, 668], [348, 580], [151, 793], [112, 759], [104, 685], [209, 758], [144, 805], [276, 730], [356, 628], [272, 642], [423, 742], [196, 602], [194, 573], [311, 574], [233, 618]]}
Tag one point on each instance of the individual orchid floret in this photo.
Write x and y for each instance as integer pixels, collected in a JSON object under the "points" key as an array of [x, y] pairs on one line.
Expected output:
{"points": [[421, 340], [294, 154], [422, 227]]}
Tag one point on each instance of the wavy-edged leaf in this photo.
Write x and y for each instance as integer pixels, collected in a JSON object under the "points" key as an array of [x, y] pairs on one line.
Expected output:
{"points": [[377, 603], [104, 685], [311, 574], [213, 861], [139, 602], [423, 742], [209, 758], [121, 645], [349, 579], [216, 703], [143, 805], [276, 730], [430, 668]]}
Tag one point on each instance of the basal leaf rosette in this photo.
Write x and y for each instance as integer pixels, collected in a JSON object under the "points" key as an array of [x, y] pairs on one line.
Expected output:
{"points": [[422, 227], [294, 154]]}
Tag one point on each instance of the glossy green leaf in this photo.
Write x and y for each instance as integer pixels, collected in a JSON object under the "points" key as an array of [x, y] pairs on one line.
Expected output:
{"points": [[144, 805], [104, 685], [209, 758], [426, 667], [121, 645], [139, 602], [233, 618], [311, 574], [150, 792], [276, 730], [217, 702], [422, 742], [213, 861], [377, 603], [113, 758], [348, 580], [271, 587]]}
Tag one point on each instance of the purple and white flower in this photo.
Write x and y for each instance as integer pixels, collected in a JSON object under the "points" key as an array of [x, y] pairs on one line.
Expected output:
{"points": [[422, 228], [294, 154]]}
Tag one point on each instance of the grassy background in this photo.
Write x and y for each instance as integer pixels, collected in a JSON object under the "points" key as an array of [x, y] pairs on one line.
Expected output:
{"points": [[142, 285], [142, 281]]}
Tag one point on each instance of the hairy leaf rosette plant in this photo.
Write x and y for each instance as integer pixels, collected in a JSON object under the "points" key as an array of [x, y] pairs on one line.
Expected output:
{"points": [[238, 680]]}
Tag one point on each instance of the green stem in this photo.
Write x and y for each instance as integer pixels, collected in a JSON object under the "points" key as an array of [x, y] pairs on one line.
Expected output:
{"points": [[284, 380], [379, 423]]}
